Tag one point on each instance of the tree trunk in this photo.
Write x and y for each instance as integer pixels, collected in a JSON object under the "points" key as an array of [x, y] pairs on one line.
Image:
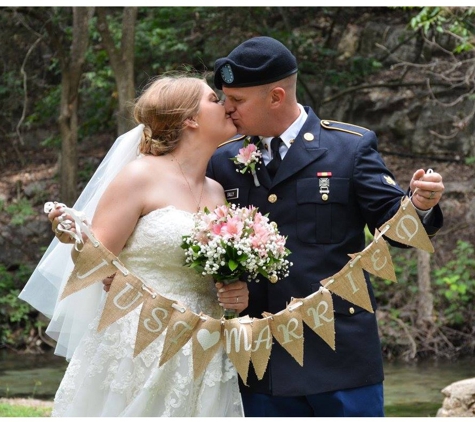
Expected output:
{"points": [[72, 66], [425, 307], [122, 63]]}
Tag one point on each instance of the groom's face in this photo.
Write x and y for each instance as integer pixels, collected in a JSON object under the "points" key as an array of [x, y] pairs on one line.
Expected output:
{"points": [[248, 107]]}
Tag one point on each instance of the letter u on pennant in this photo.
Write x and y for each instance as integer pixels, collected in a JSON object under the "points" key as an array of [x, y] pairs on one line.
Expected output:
{"points": [[124, 296]]}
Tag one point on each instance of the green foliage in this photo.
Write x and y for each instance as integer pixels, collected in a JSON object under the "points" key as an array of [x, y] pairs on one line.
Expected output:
{"points": [[456, 21], [46, 110], [15, 322], [19, 211], [396, 295], [470, 161], [456, 281]]}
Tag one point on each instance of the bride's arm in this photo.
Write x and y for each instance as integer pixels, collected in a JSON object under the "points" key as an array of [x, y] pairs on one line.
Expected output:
{"points": [[120, 207]]}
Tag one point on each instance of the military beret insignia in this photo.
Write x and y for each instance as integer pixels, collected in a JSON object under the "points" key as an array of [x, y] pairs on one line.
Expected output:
{"points": [[227, 74]]}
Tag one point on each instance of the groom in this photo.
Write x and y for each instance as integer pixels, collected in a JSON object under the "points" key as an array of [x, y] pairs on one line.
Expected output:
{"points": [[329, 183]]}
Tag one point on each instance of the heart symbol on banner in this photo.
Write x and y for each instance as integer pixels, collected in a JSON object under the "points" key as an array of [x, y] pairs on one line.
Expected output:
{"points": [[207, 339]]}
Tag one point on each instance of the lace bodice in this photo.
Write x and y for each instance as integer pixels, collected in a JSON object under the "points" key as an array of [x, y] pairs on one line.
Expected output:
{"points": [[153, 254]]}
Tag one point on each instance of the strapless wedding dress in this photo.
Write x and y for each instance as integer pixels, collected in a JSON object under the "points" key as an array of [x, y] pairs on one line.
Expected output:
{"points": [[104, 379]]}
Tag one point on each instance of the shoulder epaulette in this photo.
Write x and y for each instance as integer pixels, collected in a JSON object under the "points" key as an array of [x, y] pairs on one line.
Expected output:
{"points": [[344, 127], [236, 138]]}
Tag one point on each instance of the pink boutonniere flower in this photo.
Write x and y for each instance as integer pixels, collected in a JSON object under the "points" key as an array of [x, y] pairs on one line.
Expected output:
{"points": [[247, 159]]}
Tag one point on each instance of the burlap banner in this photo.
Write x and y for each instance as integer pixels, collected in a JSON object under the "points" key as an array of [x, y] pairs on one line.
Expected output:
{"points": [[317, 313], [154, 317], [94, 263], [350, 284], [261, 345], [406, 227], [244, 339], [376, 259], [206, 342]]}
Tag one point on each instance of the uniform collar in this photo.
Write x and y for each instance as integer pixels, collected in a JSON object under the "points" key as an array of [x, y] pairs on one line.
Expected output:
{"points": [[291, 132]]}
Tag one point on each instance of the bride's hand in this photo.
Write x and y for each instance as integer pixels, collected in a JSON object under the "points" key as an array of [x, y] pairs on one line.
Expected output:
{"points": [[233, 296], [59, 220]]}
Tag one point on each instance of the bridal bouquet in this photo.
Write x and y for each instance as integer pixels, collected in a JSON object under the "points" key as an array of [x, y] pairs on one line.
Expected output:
{"points": [[231, 241]]}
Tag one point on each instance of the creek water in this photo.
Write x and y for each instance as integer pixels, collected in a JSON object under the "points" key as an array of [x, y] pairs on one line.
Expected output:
{"points": [[411, 390]]}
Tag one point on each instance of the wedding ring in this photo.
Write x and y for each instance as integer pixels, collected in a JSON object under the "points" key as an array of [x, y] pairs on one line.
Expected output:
{"points": [[431, 196]]}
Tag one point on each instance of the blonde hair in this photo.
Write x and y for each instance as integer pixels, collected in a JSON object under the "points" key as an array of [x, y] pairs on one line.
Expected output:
{"points": [[163, 107]]}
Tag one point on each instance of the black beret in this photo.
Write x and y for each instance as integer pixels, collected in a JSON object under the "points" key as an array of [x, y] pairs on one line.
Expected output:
{"points": [[257, 61]]}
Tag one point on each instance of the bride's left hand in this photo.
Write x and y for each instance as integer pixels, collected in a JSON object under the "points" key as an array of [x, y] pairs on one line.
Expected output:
{"points": [[234, 295]]}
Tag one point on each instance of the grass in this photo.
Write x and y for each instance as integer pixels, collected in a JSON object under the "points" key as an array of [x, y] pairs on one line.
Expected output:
{"points": [[423, 410], [14, 411], [412, 410]]}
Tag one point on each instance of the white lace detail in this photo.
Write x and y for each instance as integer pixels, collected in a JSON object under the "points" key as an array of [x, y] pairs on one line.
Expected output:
{"points": [[103, 378]]}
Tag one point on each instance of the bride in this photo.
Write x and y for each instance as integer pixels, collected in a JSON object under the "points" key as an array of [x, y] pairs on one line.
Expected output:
{"points": [[142, 205]]}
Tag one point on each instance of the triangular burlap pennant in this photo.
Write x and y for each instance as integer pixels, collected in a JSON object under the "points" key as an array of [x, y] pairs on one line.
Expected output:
{"points": [[237, 340], [206, 342], [93, 264], [317, 313], [179, 331], [350, 284], [261, 345], [287, 328], [376, 259], [124, 296], [406, 227], [154, 317]]}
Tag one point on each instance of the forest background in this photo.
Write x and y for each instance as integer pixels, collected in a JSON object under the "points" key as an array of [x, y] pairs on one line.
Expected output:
{"points": [[70, 76]]}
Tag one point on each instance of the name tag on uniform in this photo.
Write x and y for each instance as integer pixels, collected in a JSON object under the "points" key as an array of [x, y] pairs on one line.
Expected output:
{"points": [[231, 194]]}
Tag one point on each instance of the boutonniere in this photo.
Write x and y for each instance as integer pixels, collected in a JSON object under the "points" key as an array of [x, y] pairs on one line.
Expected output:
{"points": [[247, 159]]}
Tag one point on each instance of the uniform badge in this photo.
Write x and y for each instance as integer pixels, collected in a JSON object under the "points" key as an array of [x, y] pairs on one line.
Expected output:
{"points": [[227, 74], [231, 194], [324, 183], [388, 180]]}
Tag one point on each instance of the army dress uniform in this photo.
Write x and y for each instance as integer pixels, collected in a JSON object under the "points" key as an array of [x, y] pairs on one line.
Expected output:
{"points": [[322, 228]]}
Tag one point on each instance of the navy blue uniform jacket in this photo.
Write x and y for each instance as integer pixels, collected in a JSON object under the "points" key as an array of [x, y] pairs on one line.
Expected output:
{"points": [[321, 233]]}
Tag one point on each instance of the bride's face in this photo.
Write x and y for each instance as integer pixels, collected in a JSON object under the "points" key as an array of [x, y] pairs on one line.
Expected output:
{"points": [[212, 119]]}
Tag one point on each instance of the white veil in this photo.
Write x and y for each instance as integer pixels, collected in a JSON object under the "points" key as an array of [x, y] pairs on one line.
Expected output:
{"points": [[71, 316]]}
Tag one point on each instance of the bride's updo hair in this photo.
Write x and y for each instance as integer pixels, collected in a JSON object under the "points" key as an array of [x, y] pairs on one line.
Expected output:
{"points": [[163, 107]]}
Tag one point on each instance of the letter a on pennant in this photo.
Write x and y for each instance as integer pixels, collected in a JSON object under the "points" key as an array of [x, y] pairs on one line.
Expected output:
{"points": [[261, 345]]}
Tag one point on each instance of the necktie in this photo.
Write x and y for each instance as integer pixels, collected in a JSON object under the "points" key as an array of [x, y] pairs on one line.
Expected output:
{"points": [[275, 162]]}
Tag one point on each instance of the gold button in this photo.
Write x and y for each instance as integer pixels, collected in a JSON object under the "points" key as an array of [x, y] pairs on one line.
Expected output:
{"points": [[308, 136], [272, 198], [325, 197], [351, 310]]}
